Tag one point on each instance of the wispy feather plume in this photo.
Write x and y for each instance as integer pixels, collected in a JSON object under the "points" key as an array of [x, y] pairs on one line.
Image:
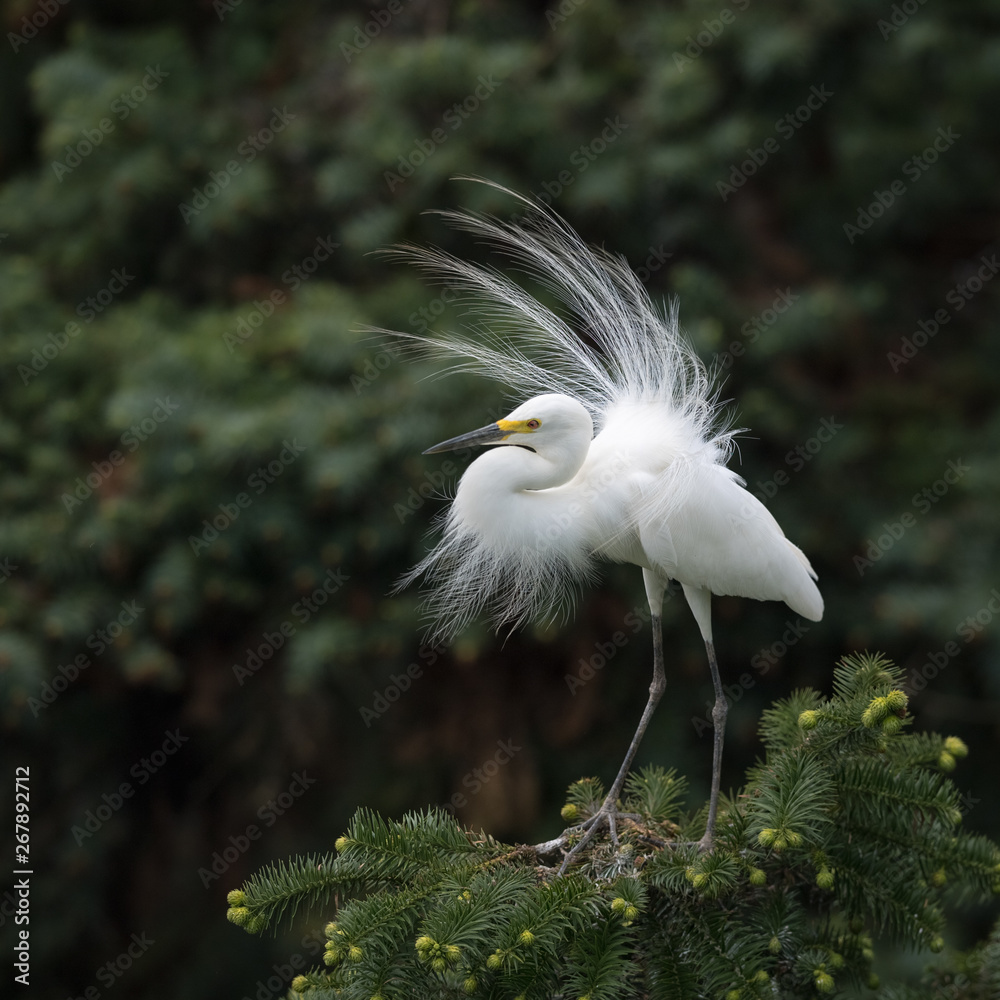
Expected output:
{"points": [[609, 347]]}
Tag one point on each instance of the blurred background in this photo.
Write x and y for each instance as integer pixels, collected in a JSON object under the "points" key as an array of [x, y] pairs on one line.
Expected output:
{"points": [[211, 479]]}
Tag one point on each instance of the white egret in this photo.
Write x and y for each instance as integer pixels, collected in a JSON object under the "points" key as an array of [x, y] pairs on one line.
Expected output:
{"points": [[651, 488]]}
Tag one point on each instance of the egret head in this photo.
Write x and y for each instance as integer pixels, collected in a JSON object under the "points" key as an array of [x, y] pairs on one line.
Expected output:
{"points": [[544, 422]]}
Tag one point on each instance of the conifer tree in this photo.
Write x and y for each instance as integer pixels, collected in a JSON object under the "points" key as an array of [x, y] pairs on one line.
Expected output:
{"points": [[846, 834]]}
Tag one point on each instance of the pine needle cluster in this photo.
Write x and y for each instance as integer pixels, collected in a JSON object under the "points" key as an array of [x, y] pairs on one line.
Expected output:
{"points": [[846, 834]]}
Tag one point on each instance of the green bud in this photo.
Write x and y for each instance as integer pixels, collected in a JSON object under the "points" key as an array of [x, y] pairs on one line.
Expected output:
{"points": [[766, 837], [630, 914], [618, 905], [939, 878], [762, 977], [892, 725], [946, 761], [825, 879], [569, 812], [824, 981], [331, 929], [774, 945], [808, 719], [424, 943], [874, 713], [341, 843], [734, 995], [494, 961], [896, 700], [836, 960], [439, 965], [470, 985], [452, 952], [874, 982], [956, 747], [758, 876], [354, 953], [794, 839], [299, 984], [936, 944], [238, 915], [236, 898], [700, 880]]}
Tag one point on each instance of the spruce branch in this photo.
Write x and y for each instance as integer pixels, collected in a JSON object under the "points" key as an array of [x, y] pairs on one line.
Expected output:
{"points": [[846, 831]]}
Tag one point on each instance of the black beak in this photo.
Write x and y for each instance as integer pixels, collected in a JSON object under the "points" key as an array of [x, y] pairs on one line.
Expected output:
{"points": [[491, 434]]}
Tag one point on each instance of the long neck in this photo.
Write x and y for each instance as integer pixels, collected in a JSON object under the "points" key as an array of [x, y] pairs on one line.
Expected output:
{"points": [[513, 498]]}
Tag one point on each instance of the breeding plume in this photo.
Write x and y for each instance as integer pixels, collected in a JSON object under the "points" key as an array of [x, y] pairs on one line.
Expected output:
{"points": [[617, 453]]}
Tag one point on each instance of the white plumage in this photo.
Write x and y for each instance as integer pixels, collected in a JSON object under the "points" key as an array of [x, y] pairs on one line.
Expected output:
{"points": [[529, 524]]}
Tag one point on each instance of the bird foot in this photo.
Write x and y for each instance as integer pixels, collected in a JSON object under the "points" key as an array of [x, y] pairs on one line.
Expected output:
{"points": [[607, 816]]}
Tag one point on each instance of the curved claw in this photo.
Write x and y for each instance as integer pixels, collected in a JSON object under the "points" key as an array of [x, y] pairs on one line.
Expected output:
{"points": [[606, 815]]}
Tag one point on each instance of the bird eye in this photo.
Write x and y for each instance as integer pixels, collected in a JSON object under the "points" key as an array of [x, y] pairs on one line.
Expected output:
{"points": [[532, 424]]}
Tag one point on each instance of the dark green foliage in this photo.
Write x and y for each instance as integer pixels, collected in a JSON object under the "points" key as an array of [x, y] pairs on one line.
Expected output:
{"points": [[846, 834], [852, 347]]}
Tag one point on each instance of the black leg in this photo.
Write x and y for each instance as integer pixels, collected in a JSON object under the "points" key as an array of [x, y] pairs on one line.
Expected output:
{"points": [[719, 721], [609, 808]]}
